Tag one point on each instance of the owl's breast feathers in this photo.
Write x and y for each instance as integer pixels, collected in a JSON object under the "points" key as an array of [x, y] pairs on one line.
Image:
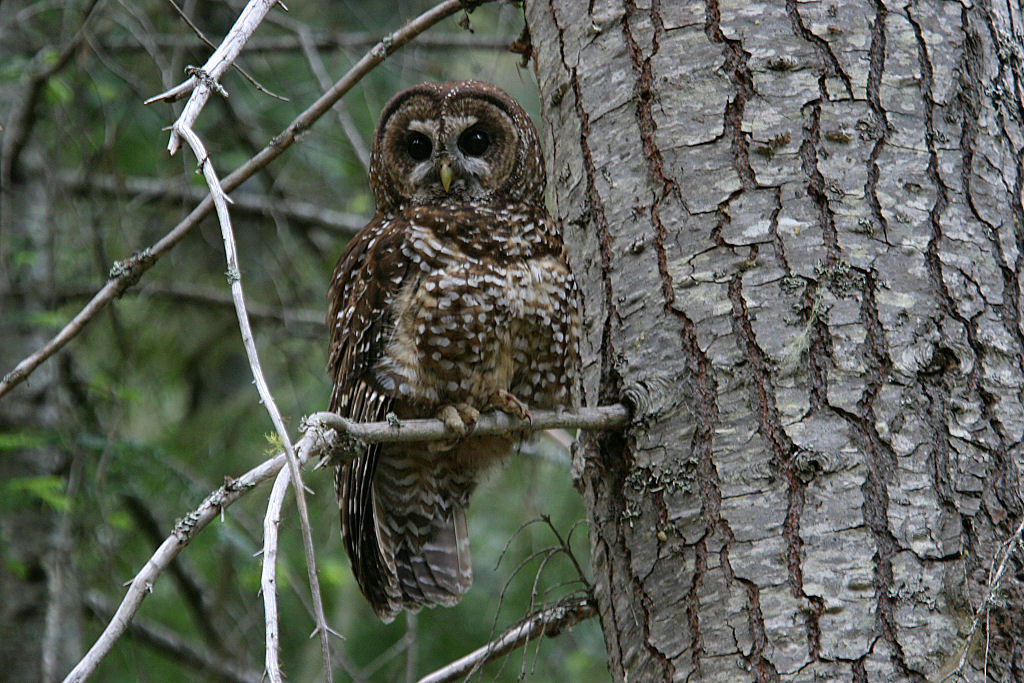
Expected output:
{"points": [[486, 303]]}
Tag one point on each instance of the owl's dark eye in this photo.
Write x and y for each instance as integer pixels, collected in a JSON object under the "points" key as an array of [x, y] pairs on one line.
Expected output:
{"points": [[474, 142], [418, 146]]}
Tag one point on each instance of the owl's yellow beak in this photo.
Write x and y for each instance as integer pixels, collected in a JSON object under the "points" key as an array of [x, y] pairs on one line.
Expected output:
{"points": [[446, 174]]}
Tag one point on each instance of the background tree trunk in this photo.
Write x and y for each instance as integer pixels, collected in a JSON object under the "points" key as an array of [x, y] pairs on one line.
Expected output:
{"points": [[798, 226], [40, 624]]}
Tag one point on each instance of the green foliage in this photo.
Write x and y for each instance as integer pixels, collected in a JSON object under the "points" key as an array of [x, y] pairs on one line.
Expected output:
{"points": [[26, 490], [22, 439], [157, 405]]}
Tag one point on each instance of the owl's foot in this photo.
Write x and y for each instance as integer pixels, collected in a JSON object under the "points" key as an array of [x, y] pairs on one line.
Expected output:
{"points": [[506, 402], [460, 419]]}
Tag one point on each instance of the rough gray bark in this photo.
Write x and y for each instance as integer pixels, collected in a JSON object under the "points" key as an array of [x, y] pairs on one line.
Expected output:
{"points": [[799, 231]]}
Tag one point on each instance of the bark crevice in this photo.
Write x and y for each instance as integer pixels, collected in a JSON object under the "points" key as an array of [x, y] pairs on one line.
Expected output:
{"points": [[737, 64], [828, 57]]}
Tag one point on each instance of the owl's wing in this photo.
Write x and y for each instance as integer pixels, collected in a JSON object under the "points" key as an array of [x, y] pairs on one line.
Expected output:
{"points": [[366, 281]]}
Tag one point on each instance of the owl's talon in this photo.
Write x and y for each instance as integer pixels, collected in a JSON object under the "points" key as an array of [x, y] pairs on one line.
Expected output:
{"points": [[506, 402], [460, 419], [469, 416], [453, 420]]}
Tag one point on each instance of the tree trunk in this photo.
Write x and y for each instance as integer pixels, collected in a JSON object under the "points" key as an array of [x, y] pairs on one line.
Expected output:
{"points": [[40, 608], [798, 227], [40, 603]]}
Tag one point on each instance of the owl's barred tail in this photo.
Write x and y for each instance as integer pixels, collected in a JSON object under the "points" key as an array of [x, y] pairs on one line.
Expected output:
{"points": [[419, 545], [440, 571], [421, 565]]}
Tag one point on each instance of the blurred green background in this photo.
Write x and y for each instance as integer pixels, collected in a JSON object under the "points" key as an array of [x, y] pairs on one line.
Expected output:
{"points": [[157, 400]]}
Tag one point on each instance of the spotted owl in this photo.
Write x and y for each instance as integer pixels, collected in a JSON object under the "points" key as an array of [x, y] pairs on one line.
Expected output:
{"points": [[456, 298]]}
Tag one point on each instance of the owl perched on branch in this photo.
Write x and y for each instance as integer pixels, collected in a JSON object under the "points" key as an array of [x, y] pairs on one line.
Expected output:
{"points": [[456, 298]]}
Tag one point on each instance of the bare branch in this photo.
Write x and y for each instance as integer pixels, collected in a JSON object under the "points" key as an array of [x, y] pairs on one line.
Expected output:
{"points": [[205, 79], [169, 642], [348, 126], [289, 315], [247, 202], [206, 41], [605, 417], [411, 642], [188, 584], [319, 440], [124, 278], [234, 274], [19, 124], [549, 622], [321, 41], [268, 577], [314, 442]]}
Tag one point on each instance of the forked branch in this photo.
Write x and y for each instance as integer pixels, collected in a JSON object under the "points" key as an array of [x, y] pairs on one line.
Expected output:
{"points": [[313, 443], [205, 79], [320, 441]]}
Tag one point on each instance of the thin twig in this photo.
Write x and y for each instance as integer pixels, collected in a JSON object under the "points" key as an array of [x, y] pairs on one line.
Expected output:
{"points": [[321, 41], [289, 315], [381, 660], [205, 79], [411, 650], [268, 577], [248, 202], [534, 590], [318, 441], [567, 549], [549, 621], [19, 124], [188, 584], [206, 41], [1006, 549], [348, 126], [220, 200], [314, 442], [134, 267]]}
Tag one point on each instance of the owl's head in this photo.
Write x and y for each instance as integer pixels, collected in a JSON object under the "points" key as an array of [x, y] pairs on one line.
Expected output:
{"points": [[454, 142]]}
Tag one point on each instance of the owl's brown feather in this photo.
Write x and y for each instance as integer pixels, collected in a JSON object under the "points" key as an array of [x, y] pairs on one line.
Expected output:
{"points": [[451, 296]]}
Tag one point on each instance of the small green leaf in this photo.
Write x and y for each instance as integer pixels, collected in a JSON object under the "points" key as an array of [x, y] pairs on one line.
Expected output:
{"points": [[16, 567], [47, 488], [275, 444], [10, 441], [57, 91], [120, 520], [23, 258], [332, 571], [52, 319]]}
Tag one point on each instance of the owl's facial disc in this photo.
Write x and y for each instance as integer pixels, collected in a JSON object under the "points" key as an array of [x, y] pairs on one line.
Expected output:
{"points": [[456, 167], [463, 147]]}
